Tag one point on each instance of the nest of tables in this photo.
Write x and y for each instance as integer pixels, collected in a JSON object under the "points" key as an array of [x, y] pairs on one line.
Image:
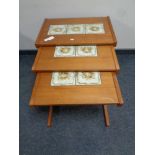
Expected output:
{"points": [[76, 64]]}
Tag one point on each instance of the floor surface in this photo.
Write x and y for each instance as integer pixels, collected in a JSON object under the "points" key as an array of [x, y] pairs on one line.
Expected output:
{"points": [[78, 130]]}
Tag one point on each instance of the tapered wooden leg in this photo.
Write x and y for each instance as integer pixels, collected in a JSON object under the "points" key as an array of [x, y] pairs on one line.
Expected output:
{"points": [[49, 117], [106, 115]]}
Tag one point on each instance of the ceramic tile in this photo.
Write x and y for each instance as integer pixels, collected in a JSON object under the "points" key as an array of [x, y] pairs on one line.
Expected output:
{"points": [[57, 29], [86, 51], [94, 28], [88, 78], [64, 51], [76, 29], [63, 78]]}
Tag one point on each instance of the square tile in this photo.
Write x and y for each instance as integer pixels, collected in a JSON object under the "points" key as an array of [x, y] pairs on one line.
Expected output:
{"points": [[57, 29], [94, 28], [86, 51], [88, 78], [64, 51], [63, 78], [76, 29]]}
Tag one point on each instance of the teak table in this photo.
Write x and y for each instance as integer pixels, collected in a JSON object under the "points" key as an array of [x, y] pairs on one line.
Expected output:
{"points": [[108, 93]]}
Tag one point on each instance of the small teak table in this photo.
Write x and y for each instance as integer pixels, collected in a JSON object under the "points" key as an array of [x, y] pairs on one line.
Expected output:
{"points": [[108, 93]]}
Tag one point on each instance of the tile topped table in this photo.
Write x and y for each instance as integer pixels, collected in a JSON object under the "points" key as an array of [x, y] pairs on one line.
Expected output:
{"points": [[62, 36], [76, 64], [106, 60]]}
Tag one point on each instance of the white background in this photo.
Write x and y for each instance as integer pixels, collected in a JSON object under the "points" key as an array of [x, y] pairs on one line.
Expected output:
{"points": [[145, 79], [33, 12]]}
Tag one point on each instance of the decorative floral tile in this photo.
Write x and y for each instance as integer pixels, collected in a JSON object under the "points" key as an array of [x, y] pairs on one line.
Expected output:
{"points": [[94, 28], [63, 78], [76, 29], [88, 78], [57, 29], [64, 51], [86, 51]]}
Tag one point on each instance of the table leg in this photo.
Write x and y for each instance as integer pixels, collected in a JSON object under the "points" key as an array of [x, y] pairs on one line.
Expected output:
{"points": [[119, 105], [49, 117], [106, 115]]}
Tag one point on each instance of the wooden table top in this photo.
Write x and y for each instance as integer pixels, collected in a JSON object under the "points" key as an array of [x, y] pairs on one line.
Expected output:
{"points": [[45, 95], [105, 61], [108, 38]]}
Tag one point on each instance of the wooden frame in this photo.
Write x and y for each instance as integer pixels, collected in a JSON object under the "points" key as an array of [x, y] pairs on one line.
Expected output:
{"points": [[118, 90], [105, 113], [105, 61], [46, 95], [42, 86], [108, 38]]}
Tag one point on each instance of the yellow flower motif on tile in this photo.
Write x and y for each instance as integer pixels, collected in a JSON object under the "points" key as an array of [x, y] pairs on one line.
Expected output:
{"points": [[76, 29], [88, 75], [86, 49], [63, 76], [57, 29], [94, 28], [65, 49]]}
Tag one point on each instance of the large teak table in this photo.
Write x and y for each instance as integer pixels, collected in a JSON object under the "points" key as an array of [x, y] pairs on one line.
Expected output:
{"points": [[108, 93]]}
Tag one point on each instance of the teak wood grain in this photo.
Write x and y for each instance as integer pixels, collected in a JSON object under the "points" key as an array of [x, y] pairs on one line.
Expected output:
{"points": [[105, 61], [106, 115], [50, 117], [108, 38], [46, 95]]}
